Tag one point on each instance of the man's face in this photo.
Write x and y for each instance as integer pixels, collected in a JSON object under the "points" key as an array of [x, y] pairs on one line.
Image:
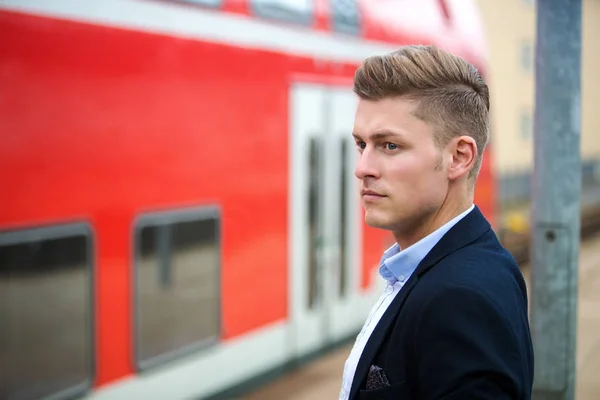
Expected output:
{"points": [[402, 171]]}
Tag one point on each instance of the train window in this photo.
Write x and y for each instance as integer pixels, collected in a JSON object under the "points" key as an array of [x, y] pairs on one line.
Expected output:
{"points": [[211, 3], [177, 270], [314, 215], [343, 212], [298, 11], [345, 16], [445, 11], [46, 316]]}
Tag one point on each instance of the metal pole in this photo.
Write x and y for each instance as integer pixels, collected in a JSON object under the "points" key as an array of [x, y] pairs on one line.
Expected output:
{"points": [[556, 193]]}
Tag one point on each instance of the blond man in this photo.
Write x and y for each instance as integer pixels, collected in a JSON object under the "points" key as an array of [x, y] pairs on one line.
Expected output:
{"points": [[452, 322]]}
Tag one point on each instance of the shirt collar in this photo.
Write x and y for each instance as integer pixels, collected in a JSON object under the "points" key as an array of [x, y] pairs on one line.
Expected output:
{"points": [[398, 265]]}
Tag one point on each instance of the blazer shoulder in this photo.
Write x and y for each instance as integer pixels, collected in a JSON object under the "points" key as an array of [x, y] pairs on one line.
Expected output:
{"points": [[483, 266]]}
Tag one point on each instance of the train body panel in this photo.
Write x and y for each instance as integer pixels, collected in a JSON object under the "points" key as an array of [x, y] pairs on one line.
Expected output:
{"points": [[159, 125]]}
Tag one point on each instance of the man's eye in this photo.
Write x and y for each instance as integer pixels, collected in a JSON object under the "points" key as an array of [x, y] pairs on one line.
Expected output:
{"points": [[391, 146], [361, 145]]}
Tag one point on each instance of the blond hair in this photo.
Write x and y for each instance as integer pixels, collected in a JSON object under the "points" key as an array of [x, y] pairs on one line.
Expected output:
{"points": [[451, 94]]}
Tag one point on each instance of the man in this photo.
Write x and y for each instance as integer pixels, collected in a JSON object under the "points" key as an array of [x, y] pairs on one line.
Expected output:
{"points": [[452, 322]]}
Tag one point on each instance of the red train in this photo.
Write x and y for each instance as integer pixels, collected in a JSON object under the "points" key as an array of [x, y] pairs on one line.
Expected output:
{"points": [[179, 211]]}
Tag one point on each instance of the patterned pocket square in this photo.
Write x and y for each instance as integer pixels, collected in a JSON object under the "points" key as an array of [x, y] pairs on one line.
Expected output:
{"points": [[376, 378]]}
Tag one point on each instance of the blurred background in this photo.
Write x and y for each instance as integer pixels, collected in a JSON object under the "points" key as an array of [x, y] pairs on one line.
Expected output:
{"points": [[510, 28], [179, 216]]}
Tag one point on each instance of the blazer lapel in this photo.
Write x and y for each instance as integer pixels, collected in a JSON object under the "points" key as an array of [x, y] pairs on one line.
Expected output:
{"points": [[379, 333], [466, 231]]}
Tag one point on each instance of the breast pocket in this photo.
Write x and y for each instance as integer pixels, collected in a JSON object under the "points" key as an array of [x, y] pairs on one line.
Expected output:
{"points": [[396, 391]]}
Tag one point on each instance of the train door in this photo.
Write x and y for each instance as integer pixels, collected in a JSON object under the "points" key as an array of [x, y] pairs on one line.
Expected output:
{"points": [[349, 307], [324, 215]]}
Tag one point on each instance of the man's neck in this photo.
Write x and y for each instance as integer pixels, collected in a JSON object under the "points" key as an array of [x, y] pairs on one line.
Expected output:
{"points": [[425, 227]]}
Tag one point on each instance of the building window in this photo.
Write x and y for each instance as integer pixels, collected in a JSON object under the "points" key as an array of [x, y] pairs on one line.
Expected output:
{"points": [[526, 126], [46, 312], [177, 283], [345, 16], [297, 11], [527, 56]]}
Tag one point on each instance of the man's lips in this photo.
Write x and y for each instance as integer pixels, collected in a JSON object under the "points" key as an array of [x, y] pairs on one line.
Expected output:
{"points": [[370, 193]]}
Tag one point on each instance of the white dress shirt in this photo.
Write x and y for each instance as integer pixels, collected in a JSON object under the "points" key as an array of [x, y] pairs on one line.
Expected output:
{"points": [[396, 267]]}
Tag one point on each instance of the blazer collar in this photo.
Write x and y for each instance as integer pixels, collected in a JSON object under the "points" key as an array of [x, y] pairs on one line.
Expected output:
{"points": [[467, 230]]}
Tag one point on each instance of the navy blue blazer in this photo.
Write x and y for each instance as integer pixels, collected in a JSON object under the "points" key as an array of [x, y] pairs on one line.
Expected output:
{"points": [[458, 329]]}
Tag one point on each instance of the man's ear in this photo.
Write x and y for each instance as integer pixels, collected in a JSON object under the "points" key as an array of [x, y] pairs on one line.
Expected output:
{"points": [[463, 150]]}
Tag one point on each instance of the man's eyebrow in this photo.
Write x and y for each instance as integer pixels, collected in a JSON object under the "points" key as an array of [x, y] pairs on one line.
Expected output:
{"points": [[379, 135]]}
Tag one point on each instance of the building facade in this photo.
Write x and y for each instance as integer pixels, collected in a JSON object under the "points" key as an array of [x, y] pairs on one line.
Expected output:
{"points": [[511, 34]]}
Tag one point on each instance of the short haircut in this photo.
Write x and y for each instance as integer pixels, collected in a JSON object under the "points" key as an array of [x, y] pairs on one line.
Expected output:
{"points": [[451, 94]]}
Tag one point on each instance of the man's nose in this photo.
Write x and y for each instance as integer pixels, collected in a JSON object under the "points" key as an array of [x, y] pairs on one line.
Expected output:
{"points": [[366, 166]]}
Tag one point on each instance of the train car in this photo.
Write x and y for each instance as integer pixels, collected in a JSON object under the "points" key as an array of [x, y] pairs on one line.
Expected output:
{"points": [[179, 212]]}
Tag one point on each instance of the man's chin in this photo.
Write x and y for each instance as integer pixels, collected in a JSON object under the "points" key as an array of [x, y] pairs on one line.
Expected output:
{"points": [[377, 221]]}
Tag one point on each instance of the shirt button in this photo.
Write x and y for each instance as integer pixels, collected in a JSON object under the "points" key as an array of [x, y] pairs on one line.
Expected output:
{"points": [[389, 289], [401, 278]]}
